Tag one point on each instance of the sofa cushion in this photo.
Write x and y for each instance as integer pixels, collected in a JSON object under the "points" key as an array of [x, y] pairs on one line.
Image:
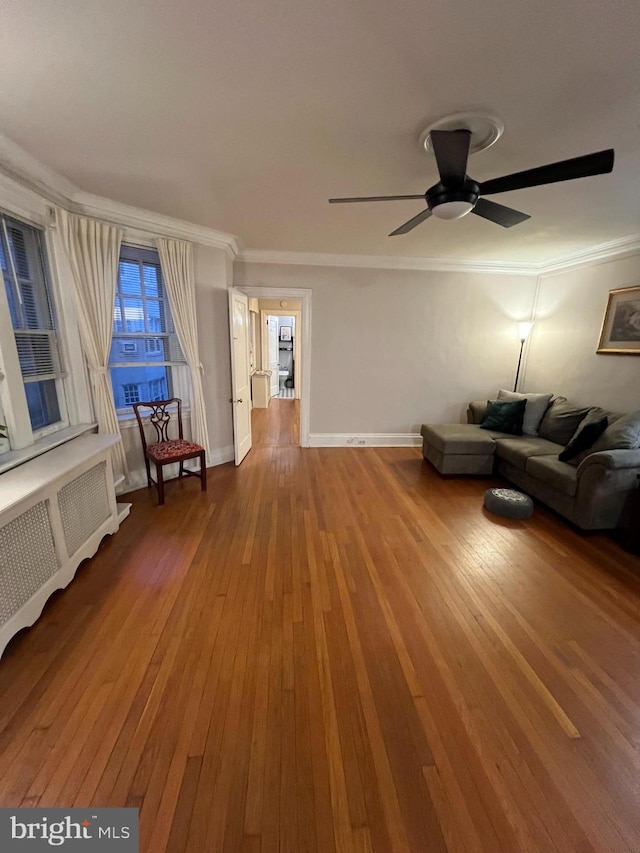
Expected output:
{"points": [[622, 434], [459, 438], [558, 475], [536, 406], [516, 451], [504, 416], [581, 443], [561, 420]]}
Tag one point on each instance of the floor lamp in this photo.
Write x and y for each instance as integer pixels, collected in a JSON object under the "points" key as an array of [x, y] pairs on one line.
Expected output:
{"points": [[524, 329]]}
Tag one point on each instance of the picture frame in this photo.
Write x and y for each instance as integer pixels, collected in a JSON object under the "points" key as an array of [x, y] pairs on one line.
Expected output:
{"points": [[285, 333], [620, 333]]}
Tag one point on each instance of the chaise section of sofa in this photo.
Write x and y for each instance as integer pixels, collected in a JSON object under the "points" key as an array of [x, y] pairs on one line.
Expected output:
{"points": [[596, 494]]}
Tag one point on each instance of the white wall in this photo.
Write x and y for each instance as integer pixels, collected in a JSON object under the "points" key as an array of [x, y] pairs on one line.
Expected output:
{"points": [[562, 351], [392, 349]]}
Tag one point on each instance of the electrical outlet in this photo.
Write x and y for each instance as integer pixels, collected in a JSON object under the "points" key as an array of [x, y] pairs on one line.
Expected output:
{"points": [[361, 441], [349, 441]]}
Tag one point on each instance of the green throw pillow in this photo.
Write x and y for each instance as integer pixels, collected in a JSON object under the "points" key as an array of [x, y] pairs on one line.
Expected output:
{"points": [[504, 417], [582, 441]]}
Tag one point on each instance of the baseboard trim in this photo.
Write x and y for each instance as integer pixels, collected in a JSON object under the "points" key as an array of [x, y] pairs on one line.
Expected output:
{"points": [[365, 439]]}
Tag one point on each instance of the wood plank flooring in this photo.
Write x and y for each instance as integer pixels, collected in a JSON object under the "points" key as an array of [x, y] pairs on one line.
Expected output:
{"points": [[336, 650]]}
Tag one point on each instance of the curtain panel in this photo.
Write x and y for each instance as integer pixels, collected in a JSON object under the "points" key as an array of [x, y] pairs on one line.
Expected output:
{"points": [[93, 250], [176, 260]]}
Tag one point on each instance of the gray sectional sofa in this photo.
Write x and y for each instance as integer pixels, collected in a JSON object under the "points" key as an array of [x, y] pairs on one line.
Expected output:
{"points": [[593, 493]]}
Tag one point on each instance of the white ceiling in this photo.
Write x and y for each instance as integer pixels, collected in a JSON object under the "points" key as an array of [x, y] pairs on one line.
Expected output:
{"points": [[246, 116]]}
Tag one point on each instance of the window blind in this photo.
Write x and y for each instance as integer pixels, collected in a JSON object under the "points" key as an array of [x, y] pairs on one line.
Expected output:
{"points": [[30, 304]]}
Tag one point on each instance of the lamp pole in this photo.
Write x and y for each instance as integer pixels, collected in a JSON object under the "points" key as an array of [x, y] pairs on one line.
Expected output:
{"points": [[515, 384], [524, 330]]}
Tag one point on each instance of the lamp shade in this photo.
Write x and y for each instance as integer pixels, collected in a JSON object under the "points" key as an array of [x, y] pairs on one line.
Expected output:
{"points": [[524, 330], [452, 209]]}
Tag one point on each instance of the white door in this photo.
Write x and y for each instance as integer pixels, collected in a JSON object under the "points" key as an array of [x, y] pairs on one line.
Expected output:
{"points": [[274, 355], [240, 379]]}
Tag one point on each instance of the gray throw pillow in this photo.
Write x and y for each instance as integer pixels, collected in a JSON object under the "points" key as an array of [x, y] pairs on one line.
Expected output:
{"points": [[534, 410], [561, 420], [622, 434]]}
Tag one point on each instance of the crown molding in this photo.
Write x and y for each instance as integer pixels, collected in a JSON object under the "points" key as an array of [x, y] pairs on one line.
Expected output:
{"points": [[384, 262], [18, 164], [155, 223], [603, 252]]}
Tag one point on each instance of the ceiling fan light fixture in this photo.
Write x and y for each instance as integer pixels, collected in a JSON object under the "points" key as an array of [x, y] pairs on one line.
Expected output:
{"points": [[452, 209]]}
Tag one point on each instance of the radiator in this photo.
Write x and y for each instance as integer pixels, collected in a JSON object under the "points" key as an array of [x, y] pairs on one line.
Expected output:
{"points": [[54, 512]]}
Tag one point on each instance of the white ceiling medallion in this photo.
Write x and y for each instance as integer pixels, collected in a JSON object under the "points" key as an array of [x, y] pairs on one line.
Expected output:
{"points": [[485, 129]]}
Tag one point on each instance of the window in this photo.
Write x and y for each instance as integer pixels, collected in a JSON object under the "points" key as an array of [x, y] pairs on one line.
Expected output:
{"points": [[131, 393], [33, 318], [144, 347], [158, 389]]}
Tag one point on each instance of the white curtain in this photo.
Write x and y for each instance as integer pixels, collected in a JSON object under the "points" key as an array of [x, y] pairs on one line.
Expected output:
{"points": [[176, 259], [93, 249]]}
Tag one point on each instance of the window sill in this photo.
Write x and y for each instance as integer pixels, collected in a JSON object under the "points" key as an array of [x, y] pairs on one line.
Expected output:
{"points": [[16, 457]]}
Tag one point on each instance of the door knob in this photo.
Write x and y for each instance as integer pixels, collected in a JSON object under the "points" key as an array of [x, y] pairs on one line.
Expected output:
{"points": [[236, 401]]}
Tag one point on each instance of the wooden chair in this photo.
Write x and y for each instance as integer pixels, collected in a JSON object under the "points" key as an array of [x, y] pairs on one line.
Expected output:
{"points": [[167, 450]]}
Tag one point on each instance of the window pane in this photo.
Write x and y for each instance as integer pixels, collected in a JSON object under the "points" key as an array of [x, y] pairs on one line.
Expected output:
{"points": [[133, 384], [42, 400], [125, 348], [133, 315], [20, 258], [14, 308], [130, 278], [151, 280], [117, 317], [155, 316]]}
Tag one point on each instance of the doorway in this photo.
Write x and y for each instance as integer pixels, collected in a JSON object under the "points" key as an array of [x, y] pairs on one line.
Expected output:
{"points": [[280, 346], [279, 303]]}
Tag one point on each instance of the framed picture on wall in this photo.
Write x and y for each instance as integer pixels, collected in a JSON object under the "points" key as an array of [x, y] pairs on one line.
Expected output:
{"points": [[620, 334], [285, 333]]}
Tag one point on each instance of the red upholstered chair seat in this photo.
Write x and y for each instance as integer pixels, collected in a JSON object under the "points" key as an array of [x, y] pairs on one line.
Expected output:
{"points": [[173, 450]]}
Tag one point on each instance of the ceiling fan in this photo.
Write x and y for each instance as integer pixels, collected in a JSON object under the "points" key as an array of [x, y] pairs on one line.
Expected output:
{"points": [[456, 194]]}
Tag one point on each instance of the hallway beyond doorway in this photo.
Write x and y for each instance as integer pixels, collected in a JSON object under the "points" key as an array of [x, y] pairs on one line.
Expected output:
{"points": [[278, 425]]}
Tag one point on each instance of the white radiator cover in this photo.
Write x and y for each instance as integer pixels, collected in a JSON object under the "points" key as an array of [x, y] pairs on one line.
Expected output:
{"points": [[54, 512]]}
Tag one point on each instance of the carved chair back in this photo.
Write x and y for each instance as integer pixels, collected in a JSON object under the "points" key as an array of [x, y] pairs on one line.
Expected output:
{"points": [[160, 417]]}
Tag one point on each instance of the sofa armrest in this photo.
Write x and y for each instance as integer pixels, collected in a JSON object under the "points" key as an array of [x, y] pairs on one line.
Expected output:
{"points": [[613, 460], [476, 411]]}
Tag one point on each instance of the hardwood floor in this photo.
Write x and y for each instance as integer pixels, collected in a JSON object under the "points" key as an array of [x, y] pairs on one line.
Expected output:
{"points": [[336, 650], [278, 425]]}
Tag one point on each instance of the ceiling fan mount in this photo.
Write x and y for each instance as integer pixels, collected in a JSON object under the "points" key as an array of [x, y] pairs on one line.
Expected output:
{"points": [[485, 129], [456, 194]]}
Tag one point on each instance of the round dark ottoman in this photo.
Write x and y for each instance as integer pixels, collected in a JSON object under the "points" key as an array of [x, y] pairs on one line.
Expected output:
{"points": [[508, 503]]}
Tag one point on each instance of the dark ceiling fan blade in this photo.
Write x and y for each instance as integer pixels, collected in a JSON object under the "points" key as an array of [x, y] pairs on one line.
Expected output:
{"points": [[411, 224], [566, 170], [375, 198], [451, 148], [505, 216]]}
